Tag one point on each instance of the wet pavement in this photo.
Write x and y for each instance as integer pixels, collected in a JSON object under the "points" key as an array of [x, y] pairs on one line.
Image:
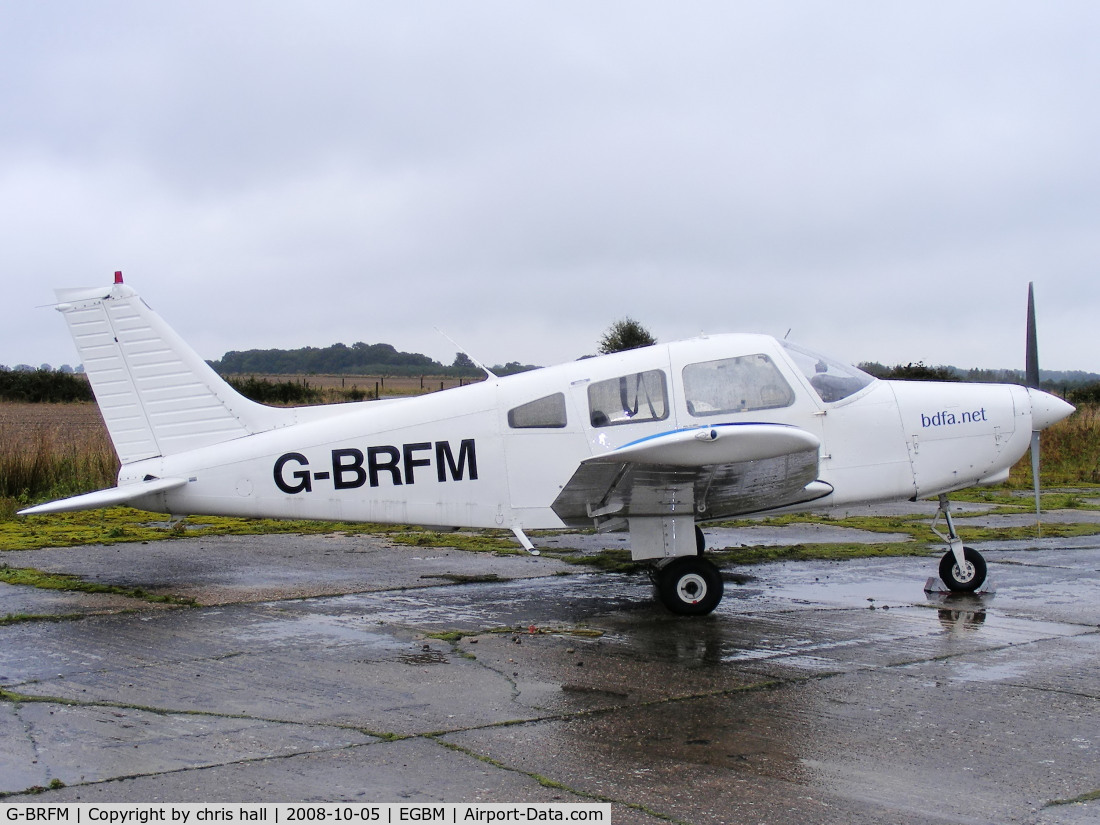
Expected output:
{"points": [[327, 668]]}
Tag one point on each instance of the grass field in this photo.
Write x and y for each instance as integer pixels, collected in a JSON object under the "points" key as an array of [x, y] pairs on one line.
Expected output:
{"points": [[1070, 452]]}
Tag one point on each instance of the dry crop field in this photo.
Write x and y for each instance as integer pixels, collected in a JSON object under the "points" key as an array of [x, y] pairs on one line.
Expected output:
{"points": [[56, 448], [387, 385], [64, 424]]}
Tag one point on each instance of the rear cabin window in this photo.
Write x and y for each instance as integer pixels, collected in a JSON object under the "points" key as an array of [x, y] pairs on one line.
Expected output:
{"points": [[750, 382], [629, 399], [544, 412]]}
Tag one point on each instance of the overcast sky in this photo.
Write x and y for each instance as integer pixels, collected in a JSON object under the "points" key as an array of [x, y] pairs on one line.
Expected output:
{"points": [[882, 179]]}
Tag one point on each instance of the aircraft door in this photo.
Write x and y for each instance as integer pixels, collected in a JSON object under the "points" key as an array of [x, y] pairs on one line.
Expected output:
{"points": [[543, 444]]}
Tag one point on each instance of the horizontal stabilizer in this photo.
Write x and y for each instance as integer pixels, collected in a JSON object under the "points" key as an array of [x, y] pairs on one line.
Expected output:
{"points": [[106, 498]]}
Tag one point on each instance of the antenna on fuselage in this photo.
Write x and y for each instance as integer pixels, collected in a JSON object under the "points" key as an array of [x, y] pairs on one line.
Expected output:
{"points": [[466, 352]]}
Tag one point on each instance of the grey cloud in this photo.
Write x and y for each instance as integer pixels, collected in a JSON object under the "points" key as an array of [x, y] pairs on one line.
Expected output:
{"points": [[884, 178]]}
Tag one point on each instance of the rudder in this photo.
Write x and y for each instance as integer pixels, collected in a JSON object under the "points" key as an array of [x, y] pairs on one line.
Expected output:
{"points": [[157, 396]]}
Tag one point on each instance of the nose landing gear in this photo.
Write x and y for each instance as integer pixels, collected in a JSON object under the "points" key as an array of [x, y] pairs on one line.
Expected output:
{"points": [[963, 569]]}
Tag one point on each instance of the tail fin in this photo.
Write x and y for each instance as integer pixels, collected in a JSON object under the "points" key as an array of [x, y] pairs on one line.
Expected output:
{"points": [[157, 396]]}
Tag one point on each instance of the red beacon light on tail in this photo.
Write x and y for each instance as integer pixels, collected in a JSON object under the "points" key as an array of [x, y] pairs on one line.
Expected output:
{"points": [[118, 276]]}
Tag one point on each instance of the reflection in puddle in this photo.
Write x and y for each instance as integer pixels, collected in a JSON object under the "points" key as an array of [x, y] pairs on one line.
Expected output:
{"points": [[958, 621], [961, 612]]}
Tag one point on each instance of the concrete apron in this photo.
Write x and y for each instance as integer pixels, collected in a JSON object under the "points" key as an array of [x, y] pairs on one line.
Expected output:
{"points": [[817, 692]]}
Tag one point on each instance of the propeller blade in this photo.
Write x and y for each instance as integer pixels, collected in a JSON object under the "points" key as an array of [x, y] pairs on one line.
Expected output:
{"points": [[1035, 481], [1031, 378], [1031, 362]]}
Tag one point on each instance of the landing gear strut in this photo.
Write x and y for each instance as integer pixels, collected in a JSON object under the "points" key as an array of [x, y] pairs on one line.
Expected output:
{"points": [[962, 568], [689, 585]]}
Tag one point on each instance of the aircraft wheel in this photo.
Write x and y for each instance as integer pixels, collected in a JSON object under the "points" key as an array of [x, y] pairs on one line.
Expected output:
{"points": [[690, 586], [700, 540], [963, 581]]}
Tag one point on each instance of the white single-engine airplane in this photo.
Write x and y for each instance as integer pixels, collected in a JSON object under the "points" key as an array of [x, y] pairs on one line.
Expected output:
{"points": [[653, 440]]}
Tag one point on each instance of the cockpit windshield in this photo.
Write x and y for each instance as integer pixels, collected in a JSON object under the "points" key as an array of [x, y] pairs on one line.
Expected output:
{"points": [[832, 380]]}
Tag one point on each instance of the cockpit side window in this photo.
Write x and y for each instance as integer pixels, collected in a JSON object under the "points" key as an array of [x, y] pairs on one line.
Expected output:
{"points": [[831, 379], [548, 412], [749, 382], [629, 399]]}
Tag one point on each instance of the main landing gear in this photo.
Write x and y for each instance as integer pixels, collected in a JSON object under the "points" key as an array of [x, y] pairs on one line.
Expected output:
{"points": [[689, 585], [962, 569]]}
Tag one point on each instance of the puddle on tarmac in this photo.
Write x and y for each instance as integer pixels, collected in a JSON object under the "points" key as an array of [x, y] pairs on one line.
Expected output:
{"points": [[295, 629], [988, 672]]}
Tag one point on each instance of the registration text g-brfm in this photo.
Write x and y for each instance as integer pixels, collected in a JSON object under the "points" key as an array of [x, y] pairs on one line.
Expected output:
{"points": [[348, 468]]}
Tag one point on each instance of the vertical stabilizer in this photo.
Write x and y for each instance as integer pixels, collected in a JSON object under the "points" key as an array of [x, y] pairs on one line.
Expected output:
{"points": [[157, 396]]}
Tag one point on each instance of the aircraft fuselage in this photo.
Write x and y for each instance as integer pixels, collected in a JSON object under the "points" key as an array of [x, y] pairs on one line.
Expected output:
{"points": [[462, 458]]}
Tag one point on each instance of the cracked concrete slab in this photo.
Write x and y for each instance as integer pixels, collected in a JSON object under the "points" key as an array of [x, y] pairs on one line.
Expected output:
{"points": [[78, 744], [417, 769], [818, 691]]}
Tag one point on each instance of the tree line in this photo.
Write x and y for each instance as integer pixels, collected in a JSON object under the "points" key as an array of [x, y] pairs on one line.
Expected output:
{"points": [[340, 359], [920, 371], [43, 386]]}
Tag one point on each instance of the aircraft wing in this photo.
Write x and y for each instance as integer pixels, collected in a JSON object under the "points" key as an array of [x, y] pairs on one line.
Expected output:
{"points": [[711, 472]]}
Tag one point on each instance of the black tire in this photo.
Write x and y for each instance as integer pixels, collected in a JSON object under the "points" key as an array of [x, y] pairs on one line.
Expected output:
{"points": [[690, 586], [700, 540], [963, 581]]}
